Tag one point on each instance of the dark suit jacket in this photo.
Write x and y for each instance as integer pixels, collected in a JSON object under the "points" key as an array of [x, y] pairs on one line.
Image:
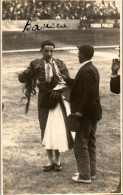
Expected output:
{"points": [[115, 84], [84, 96]]}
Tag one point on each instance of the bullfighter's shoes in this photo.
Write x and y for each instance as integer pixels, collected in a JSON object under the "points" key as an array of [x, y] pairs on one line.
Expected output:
{"points": [[57, 167], [48, 168], [78, 180]]}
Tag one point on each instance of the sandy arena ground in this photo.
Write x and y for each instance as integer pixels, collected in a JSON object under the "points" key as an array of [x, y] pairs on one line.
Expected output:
{"points": [[23, 154]]}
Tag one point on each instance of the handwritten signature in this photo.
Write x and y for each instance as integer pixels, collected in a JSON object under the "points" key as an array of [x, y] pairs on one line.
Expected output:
{"points": [[36, 27]]}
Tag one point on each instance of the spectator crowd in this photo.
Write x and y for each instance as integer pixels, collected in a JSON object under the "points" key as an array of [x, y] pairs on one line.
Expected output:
{"points": [[36, 9]]}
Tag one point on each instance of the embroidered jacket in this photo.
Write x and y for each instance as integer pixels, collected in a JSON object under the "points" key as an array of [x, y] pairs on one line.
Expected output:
{"points": [[36, 71]]}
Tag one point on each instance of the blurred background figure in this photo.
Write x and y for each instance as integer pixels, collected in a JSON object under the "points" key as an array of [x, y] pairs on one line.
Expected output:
{"points": [[115, 77], [116, 24], [115, 88]]}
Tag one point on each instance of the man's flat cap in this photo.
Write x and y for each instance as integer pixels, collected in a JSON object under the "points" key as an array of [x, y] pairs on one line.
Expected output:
{"points": [[86, 50]]}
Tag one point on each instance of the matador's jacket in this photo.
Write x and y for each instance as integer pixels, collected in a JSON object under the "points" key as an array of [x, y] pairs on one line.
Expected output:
{"points": [[36, 72]]}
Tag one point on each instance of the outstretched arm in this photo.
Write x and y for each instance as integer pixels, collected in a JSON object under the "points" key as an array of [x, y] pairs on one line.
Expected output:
{"points": [[69, 81], [65, 75]]}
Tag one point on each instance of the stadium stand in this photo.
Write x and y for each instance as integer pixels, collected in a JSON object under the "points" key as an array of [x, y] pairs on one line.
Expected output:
{"points": [[85, 11]]}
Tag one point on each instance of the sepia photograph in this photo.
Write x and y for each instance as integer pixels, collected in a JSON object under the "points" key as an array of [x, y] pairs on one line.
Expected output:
{"points": [[61, 97]]}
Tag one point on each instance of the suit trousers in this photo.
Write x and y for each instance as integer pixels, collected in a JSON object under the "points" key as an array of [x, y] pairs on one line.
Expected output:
{"points": [[85, 149]]}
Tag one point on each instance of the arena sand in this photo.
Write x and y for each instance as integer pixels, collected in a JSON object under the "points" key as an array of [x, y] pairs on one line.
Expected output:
{"points": [[22, 153]]}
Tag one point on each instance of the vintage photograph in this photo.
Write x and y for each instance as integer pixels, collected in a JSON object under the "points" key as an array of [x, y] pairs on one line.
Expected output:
{"points": [[61, 97]]}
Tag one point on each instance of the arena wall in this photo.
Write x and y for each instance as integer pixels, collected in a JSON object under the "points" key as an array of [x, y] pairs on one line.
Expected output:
{"points": [[18, 25], [13, 37]]}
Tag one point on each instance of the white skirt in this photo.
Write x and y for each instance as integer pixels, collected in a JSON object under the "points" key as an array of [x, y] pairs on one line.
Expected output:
{"points": [[55, 137]]}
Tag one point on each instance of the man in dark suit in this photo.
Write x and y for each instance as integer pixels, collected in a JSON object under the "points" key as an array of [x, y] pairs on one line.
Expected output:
{"points": [[85, 103]]}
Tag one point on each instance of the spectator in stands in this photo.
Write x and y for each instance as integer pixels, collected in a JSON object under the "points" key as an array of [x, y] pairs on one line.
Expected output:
{"points": [[91, 9], [116, 24], [83, 23], [57, 17]]}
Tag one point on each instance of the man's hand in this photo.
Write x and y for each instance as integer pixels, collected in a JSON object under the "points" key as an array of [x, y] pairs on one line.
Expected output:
{"points": [[115, 66], [55, 95], [78, 114], [64, 77]]}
